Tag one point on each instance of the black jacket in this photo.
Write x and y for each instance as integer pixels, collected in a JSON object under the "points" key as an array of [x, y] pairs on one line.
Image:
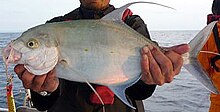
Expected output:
{"points": [[216, 7], [74, 96]]}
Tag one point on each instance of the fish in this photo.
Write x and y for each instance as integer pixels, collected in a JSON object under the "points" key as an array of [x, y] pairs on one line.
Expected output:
{"points": [[104, 51], [192, 63]]}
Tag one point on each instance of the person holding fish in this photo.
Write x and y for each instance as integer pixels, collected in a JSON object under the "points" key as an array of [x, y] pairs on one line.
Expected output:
{"points": [[157, 66], [210, 62]]}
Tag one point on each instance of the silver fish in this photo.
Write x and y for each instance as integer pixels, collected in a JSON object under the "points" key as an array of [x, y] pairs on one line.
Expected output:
{"points": [[192, 63], [104, 51]]}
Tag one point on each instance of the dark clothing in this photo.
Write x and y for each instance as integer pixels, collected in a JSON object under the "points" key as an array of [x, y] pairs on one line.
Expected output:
{"points": [[74, 96], [212, 17], [215, 16], [216, 7]]}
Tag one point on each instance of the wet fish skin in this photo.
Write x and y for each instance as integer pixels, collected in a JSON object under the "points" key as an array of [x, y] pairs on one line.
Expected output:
{"points": [[103, 52]]}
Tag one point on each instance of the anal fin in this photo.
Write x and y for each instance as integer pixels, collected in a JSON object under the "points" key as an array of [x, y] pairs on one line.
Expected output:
{"points": [[119, 90]]}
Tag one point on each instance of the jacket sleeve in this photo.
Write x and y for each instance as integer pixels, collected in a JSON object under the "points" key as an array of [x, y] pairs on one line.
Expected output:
{"points": [[140, 90], [135, 22]]}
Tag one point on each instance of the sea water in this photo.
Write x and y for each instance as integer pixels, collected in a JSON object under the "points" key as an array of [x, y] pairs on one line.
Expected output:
{"points": [[18, 89], [184, 94]]}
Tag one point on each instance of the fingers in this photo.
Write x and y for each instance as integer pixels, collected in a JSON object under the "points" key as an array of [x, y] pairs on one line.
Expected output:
{"points": [[155, 69], [24, 75], [19, 70], [160, 67], [164, 65], [27, 79], [174, 54], [180, 49], [176, 59], [37, 83], [51, 83], [47, 82], [151, 73], [146, 75]]}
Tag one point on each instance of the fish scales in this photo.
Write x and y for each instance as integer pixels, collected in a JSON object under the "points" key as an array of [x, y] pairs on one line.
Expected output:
{"points": [[99, 47], [104, 52]]}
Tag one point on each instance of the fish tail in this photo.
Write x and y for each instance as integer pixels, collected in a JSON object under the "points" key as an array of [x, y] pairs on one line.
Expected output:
{"points": [[191, 62]]}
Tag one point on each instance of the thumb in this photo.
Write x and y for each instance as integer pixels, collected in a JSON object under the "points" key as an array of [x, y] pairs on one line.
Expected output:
{"points": [[180, 49]]}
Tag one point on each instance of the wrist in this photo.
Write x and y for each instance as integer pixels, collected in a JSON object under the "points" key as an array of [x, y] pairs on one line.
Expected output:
{"points": [[44, 93]]}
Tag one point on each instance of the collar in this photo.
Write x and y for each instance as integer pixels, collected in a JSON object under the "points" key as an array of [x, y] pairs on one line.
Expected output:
{"points": [[94, 14], [212, 17]]}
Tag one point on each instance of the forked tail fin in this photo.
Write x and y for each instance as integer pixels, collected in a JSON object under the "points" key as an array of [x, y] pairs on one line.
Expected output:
{"points": [[192, 63]]}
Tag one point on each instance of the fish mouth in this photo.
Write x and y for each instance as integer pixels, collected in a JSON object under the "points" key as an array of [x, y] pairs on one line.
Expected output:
{"points": [[10, 55]]}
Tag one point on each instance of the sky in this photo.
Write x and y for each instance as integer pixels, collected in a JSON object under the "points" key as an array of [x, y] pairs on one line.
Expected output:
{"points": [[20, 15]]}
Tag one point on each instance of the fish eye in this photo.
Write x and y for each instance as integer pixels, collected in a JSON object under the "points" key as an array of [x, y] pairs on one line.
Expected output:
{"points": [[33, 43]]}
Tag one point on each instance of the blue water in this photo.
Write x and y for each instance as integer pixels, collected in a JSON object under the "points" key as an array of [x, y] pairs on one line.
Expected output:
{"points": [[184, 94], [18, 90]]}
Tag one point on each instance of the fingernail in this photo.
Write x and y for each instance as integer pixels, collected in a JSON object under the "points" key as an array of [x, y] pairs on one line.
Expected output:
{"points": [[150, 47], [144, 57], [145, 50]]}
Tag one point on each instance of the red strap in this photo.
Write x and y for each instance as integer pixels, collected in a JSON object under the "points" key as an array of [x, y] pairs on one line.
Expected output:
{"points": [[105, 93], [127, 12]]}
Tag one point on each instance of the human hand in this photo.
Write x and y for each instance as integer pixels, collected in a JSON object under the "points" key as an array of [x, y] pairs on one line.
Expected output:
{"points": [[159, 67], [38, 83]]}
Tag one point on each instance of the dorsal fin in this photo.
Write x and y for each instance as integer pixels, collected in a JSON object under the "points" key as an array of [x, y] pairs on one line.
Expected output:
{"points": [[117, 14]]}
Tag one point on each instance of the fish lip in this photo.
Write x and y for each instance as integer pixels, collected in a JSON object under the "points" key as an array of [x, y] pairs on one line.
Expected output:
{"points": [[10, 54], [4, 54]]}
